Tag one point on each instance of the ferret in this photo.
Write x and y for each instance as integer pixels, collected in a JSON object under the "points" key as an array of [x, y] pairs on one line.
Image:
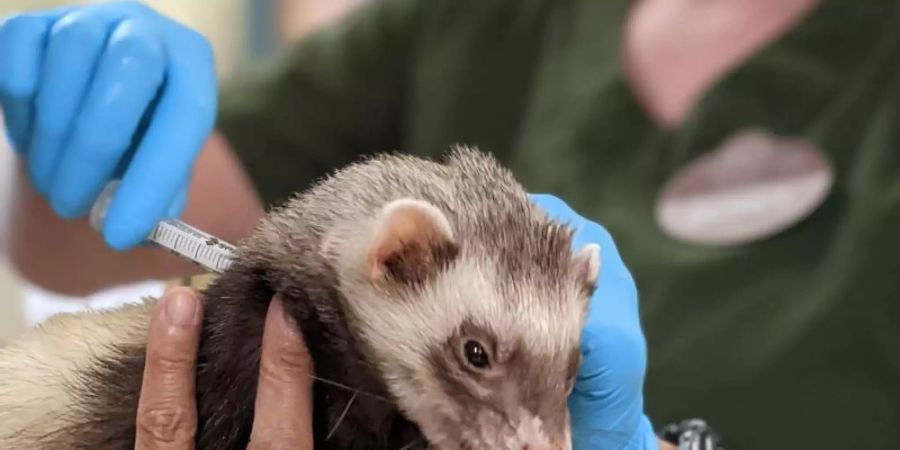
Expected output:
{"points": [[441, 307]]}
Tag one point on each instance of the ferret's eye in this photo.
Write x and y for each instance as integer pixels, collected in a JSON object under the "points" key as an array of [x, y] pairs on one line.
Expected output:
{"points": [[476, 355]]}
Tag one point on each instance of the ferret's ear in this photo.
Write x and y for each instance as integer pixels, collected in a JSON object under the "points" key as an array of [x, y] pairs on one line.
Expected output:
{"points": [[411, 240], [586, 263]]}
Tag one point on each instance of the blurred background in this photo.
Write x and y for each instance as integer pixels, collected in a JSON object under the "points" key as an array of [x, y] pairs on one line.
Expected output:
{"points": [[240, 31]]}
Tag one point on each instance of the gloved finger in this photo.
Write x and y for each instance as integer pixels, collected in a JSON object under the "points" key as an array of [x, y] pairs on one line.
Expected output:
{"points": [[176, 208], [177, 131], [128, 77], [612, 341], [22, 40], [615, 301], [74, 45], [610, 383]]}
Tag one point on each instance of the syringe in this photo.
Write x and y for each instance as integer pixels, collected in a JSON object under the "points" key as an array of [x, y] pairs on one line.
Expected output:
{"points": [[175, 236]]}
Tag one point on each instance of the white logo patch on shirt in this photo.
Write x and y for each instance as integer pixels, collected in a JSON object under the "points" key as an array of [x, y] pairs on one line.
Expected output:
{"points": [[753, 186]]}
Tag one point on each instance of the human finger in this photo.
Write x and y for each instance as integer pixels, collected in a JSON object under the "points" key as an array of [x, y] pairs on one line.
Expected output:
{"points": [[74, 44], [181, 123], [22, 39], [167, 414], [284, 392], [129, 75]]}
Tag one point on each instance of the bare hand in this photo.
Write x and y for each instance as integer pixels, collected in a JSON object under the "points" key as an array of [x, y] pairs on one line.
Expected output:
{"points": [[167, 415]]}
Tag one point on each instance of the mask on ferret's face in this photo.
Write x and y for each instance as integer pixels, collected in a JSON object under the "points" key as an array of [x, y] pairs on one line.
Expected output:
{"points": [[478, 359]]}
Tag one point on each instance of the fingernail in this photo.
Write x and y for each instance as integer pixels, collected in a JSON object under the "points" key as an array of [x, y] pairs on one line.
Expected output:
{"points": [[181, 308]]}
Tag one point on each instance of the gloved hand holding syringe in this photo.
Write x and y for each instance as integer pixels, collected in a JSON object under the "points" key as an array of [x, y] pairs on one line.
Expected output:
{"points": [[174, 235]]}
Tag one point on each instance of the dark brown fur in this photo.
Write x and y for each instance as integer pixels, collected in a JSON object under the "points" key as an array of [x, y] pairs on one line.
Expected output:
{"points": [[235, 308]]}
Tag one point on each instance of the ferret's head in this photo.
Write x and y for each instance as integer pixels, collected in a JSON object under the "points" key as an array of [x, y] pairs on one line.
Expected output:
{"points": [[474, 328]]}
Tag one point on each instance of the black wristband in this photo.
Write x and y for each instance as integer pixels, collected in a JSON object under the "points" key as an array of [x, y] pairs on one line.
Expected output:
{"points": [[692, 434]]}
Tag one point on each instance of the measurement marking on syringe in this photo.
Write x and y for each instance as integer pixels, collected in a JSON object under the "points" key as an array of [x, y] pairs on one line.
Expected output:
{"points": [[177, 237]]}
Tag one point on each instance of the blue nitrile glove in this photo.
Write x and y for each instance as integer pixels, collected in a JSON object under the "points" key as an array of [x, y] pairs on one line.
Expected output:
{"points": [[103, 91], [607, 404]]}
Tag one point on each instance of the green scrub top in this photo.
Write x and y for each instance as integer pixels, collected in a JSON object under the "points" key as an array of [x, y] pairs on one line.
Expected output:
{"points": [[789, 342]]}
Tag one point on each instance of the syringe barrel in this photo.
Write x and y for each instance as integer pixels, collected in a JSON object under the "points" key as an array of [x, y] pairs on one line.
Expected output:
{"points": [[178, 237]]}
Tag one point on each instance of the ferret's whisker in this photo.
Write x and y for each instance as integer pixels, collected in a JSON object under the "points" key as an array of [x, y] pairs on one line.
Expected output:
{"points": [[343, 416], [344, 386], [410, 445]]}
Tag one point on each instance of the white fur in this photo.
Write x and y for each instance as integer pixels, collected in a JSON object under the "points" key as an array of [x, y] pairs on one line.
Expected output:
{"points": [[587, 260], [36, 369], [404, 331]]}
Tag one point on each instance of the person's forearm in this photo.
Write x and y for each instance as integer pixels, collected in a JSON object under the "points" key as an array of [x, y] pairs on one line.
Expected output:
{"points": [[71, 258]]}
